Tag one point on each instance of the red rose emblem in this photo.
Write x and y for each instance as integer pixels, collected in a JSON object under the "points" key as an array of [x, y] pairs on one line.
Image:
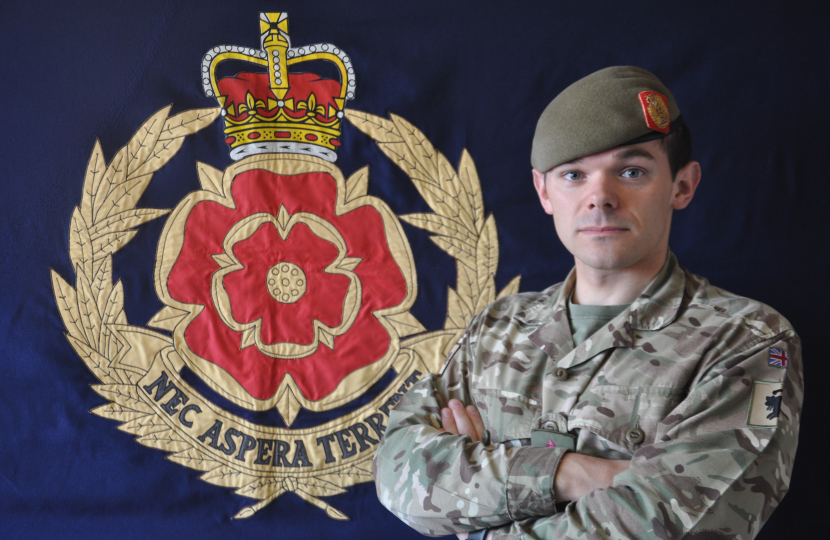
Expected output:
{"points": [[283, 279]]}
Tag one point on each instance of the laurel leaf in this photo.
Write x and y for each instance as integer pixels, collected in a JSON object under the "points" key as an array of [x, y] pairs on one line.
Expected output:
{"points": [[456, 248], [401, 155], [210, 178], [420, 148], [262, 488], [162, 152], [144, 426], [108, 244], [67, 302], [113, 411], [194, 458], [125, 395], [113, 306], [441, 226], [123, 197], [88, 309], [467, 284], [405, 324], [141, 145], [468, 176], [319, 488], [80, 244], [124, 221], [97, 364], [447, 178], [168, 441], [115, 175], [227, 477], [188, 122], [357, 185], [94, 173], [465, 211], [510, 288], [102, 286], [459, 312], [445, 204], [358, 474], [379, 129], [487, 252], [487, 296]]}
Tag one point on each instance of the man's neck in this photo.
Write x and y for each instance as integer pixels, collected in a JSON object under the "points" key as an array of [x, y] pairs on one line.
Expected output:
{"points": [[595, 287]]}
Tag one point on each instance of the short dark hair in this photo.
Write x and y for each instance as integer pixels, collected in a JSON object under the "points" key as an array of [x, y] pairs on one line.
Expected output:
{"points": [[678, 148]]}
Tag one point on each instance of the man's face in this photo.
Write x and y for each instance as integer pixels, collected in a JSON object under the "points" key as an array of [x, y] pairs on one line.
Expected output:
{"points": [[612, 210]]}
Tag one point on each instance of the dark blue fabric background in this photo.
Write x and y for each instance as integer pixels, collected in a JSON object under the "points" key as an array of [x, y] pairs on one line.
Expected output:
{"points": [[751, 79]]}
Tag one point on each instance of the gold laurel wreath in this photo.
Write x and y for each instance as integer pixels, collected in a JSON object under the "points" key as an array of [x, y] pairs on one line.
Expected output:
{"points": [[93, 310], [458, 225], [104, 223]]}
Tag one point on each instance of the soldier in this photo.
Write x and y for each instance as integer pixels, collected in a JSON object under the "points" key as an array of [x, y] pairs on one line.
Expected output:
{"points": [[632, 400]]}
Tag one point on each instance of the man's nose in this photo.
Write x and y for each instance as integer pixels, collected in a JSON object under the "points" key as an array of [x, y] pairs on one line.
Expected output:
{"points": [[602, 192]]}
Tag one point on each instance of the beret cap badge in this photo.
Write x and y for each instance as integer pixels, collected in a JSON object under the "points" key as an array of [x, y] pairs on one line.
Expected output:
{"points": [[656, 111]]}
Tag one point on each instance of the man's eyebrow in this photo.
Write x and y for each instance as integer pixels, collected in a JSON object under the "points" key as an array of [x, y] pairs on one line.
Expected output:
{"points": [[634, 152]]}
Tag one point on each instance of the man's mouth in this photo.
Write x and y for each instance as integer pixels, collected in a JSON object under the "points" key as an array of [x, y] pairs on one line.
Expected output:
{"points": [[602, 230]]}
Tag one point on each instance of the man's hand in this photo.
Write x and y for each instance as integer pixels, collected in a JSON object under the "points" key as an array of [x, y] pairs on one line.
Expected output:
{"points": [[578, 475], [457, 420]]}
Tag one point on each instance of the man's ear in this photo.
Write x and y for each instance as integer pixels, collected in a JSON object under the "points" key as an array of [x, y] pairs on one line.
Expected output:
{"points": [[542, 190], [685, 184]]}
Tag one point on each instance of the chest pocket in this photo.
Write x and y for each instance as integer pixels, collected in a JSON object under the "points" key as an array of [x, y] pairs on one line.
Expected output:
{"points": [[506, 415], [616, 412]]}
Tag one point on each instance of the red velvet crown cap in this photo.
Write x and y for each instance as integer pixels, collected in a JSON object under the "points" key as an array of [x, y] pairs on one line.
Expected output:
{"points": [[301, 86]]}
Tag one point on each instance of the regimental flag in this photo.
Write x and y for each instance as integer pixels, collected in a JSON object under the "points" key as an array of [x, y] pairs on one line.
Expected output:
{"points": [[435, 140], [778, 357], [286, 286]]}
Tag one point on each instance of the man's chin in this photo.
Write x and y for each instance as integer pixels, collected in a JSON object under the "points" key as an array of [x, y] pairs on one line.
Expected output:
{"points": [[605, 261]]}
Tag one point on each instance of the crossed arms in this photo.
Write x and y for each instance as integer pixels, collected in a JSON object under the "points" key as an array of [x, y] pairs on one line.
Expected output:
{"points": [[706, 469], [577, 475]]}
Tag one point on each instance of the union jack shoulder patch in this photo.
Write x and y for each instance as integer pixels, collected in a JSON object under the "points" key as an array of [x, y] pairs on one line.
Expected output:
{"points": [[779, 357]]}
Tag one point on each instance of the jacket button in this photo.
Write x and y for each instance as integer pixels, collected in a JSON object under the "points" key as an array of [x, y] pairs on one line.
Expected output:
{"points": [[560, 374], [635, 435]]}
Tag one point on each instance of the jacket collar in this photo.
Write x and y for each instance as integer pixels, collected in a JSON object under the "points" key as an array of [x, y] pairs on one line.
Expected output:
{"points": [[655, 308]]}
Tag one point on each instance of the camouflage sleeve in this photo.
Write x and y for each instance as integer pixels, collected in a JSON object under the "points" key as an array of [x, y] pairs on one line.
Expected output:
{"points": [[439, 483], [721, 466]]}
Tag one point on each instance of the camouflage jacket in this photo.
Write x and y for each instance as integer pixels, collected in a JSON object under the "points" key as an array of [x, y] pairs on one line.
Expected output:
{"points": [[692, 366]]}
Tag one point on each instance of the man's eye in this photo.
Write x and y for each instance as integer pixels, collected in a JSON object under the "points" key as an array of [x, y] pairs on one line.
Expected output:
{"points": [[632, 173], [573, 175]]}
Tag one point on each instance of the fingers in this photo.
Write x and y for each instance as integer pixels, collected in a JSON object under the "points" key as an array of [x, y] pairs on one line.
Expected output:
{"points": [[448, 421], [457, 420], [463, 422], [478, 423]]}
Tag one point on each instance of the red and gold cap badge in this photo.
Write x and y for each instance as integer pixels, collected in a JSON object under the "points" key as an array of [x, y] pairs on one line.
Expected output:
{"points": [[656, 110]]}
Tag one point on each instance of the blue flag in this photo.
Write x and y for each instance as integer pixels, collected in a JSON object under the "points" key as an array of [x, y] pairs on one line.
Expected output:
{"points": [[235, 237]]}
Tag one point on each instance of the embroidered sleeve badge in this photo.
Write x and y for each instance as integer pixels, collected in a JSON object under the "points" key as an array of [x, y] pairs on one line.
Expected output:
{"points": [[779, 358], [765, 405], [656, 110]]}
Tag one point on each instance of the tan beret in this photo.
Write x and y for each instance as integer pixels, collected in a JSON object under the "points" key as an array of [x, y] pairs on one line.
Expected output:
{"points": [[611, 107]]}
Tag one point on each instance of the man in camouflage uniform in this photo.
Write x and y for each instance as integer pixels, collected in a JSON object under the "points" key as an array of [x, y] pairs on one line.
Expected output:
{"points": [[633, 400]]}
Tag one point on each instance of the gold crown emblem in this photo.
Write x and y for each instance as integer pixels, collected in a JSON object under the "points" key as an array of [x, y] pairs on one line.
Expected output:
{"points": [[274, 111]]}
